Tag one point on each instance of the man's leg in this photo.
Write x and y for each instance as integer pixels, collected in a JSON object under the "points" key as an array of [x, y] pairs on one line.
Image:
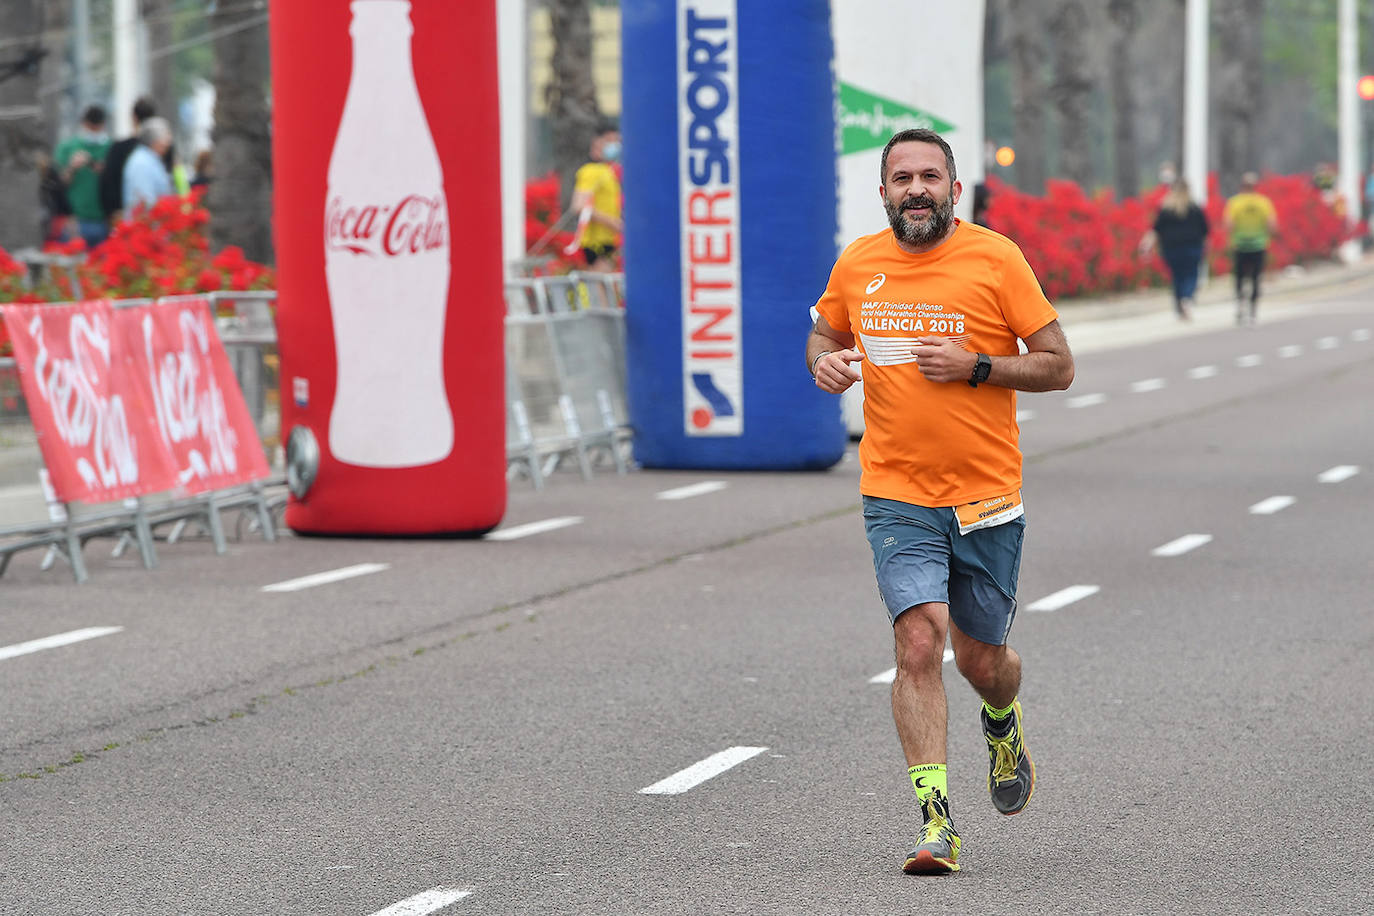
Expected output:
{"points": [[995, 672], [920, 712]]}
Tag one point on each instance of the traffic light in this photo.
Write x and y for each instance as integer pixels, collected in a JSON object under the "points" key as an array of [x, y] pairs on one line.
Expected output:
{"points": [[1005, 156], [1365, 87]]}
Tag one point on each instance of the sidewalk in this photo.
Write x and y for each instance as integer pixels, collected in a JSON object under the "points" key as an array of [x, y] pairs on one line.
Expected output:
{"points": [[1128, 319]]}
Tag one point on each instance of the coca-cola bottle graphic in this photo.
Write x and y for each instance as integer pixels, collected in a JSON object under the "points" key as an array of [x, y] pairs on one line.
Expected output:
{"points": [[386, 255]]}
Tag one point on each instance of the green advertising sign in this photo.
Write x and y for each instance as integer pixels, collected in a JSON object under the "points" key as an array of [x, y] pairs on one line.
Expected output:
{"points": [[868, 120]]}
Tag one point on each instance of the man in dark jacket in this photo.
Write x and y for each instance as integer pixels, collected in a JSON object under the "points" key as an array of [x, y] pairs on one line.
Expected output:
{"points": [[112, 178]]}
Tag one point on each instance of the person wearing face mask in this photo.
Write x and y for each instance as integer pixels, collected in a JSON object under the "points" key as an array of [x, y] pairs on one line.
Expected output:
{"points": [[934, 307], [79, 160], [596, 200]]}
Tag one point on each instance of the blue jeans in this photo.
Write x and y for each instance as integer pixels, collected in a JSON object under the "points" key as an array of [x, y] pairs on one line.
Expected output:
{"points": [[1183, 261], [93, 232]]}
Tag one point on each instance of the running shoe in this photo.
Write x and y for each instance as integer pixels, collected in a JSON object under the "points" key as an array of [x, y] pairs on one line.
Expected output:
{"points": [[1011, 775], [938, 851]]}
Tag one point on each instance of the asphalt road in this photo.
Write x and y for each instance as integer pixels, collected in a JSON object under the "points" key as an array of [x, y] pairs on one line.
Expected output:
{"points": [[470, 728]]}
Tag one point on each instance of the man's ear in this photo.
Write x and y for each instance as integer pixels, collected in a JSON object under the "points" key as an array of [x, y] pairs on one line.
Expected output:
{"points": [[958, 190]]}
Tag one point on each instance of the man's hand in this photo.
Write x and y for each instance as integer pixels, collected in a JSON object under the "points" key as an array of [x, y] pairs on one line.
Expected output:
{"points": [[942, 360], [834, 372]]}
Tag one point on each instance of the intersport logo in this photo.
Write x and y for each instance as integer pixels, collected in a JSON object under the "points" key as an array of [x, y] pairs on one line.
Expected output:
{"points": [[875, 284]]}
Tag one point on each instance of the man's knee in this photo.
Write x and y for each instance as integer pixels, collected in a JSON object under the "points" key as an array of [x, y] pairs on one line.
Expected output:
{"points": [[980, 663], [919, 633]]}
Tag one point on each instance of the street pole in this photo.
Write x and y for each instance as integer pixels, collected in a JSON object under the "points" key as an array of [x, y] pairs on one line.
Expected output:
{"points": [[1195, 100], [1349, 110], [512, 32], [126, 68]]}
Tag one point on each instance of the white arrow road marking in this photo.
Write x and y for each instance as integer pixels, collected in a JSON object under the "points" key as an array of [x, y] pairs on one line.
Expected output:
{"points": [[1085, 400], [1249, 360], [1147, 384], [1064, 597], [524, 531], [1288, 351], [324, 578], [52, 642], [1338, 473], [701, 771], [1328, 343], [1181, 545], [432, 900], [890, 675], [1202, 372], [694, 489], [1271, 505]]}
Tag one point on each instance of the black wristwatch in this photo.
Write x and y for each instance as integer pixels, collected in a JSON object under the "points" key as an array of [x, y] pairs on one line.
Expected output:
{"points": [[981, 370]]}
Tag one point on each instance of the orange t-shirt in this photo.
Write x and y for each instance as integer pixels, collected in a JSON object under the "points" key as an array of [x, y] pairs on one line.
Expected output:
{"points": [[935, 443]]}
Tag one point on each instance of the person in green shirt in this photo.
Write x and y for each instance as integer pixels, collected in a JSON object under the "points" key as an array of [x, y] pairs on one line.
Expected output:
{"points": [[1250, 222], [80, 159]]}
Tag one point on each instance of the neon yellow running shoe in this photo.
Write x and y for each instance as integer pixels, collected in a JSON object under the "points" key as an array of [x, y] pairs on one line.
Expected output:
{"points": [[938, 851], [1011, 774]]}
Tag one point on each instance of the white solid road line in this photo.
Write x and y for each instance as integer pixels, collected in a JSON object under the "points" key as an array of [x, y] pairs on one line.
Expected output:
{"points": [[701, 771], [1271, 505], [1085, 400], [693, 489], [1288, 351], [1202, 372], [324, 578], [432, 900], [524, 531], [1064, 597], [1338, 473], [1182, 545], [52, 642], [1249, 360], [1147, 384], [890, 675]]}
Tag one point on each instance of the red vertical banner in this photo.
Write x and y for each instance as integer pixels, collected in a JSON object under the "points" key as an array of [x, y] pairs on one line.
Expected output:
{"points": [[387, 217], [91, 407], [198, 413]]}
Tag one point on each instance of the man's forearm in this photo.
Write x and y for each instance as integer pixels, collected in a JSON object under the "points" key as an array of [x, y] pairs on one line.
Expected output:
{"points": [[1037, 371]]}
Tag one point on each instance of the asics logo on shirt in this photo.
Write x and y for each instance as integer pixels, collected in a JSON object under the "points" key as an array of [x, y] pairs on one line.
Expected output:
{"points": [[875, 284]]}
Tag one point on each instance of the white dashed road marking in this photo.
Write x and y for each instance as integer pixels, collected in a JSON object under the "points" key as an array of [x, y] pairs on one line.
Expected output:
{"points": [[324, 578], [701, 771], [1249, 360], [694, 489], [1147, 384], [1328, 343], [1201, 372], [1338, 473], [524, 531], [52, 642], [1289, 351], [1085, 400], [1359, 335], [890, 675], [1023, 415], [430, 901], [1182, 545], [1063, 597], [1271, 505]]}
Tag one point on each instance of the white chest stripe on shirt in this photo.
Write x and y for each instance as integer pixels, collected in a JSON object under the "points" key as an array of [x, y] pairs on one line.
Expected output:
{"points": [[894, 351]]}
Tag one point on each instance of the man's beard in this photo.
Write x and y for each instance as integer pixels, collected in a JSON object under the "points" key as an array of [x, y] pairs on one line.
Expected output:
{"points": [[929, 229]]}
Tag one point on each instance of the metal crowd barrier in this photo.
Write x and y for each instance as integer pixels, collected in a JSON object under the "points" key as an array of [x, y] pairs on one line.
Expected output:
{"points": [[565, 408]]}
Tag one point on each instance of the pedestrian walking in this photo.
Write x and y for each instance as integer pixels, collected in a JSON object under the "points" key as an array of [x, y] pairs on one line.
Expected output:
{"points": [[145, 176], [1180, 232], [934, 307], [596, 200], [1250, 222], [112, 180], [80, 159]]}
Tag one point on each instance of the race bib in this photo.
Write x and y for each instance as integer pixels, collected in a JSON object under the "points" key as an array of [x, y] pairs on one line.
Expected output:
{"points": [[989, 512]]}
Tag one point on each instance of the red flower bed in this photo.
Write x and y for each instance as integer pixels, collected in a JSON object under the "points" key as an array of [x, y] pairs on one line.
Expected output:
{"points": [[1080, 245]]}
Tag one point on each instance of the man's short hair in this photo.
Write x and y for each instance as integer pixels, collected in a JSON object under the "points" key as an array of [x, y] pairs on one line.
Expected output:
{"points": [[1249, 180], [154, 130], [144, 109], [94, 115], [918, 135]]}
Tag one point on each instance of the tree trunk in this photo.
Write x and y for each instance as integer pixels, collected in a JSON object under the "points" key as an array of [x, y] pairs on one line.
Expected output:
{"points": [[22, 137], [571, 96], [1071, 91], [1125, 20], [157, 14], [1026, 27], [1240, 88], [240, 197]]}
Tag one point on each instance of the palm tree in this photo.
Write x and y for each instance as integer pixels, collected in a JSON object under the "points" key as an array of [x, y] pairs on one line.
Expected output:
{"points": [[571, 96], [1125, 18], [1239, 88], [240, 198], [1071, 90], [1025, 24], [21, 65]]}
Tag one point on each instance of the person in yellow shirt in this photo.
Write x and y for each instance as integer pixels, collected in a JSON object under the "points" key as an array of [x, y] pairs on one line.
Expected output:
{"points": [[934, 307], [1251, 222], [596, 200]]}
